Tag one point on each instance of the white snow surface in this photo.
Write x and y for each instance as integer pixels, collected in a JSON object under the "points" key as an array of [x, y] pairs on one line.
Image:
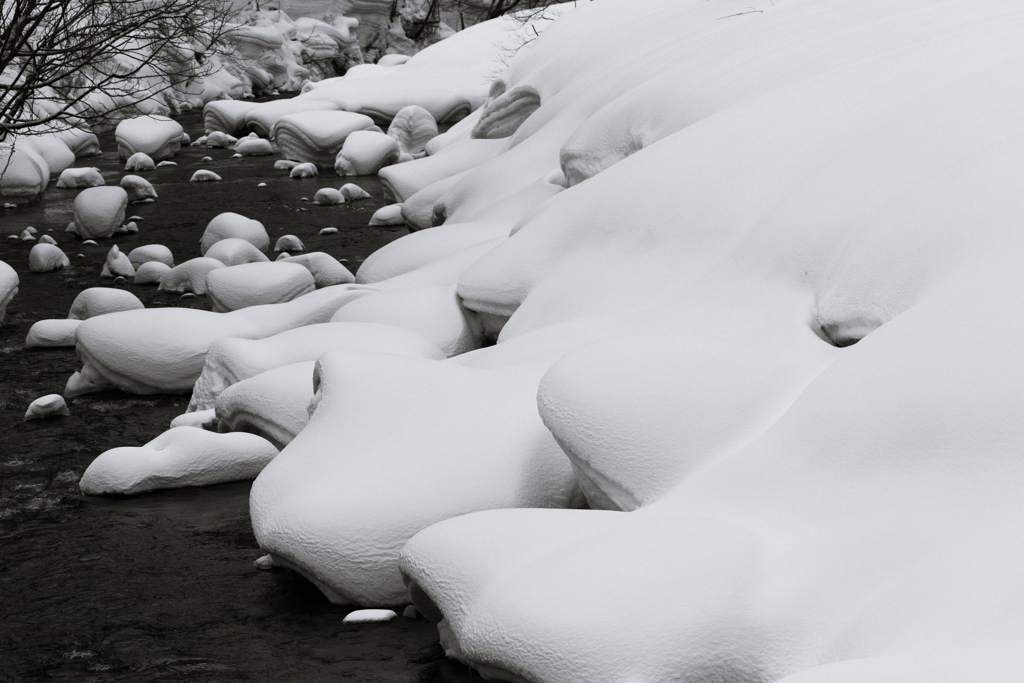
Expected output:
{"points": [[46, 406], [102, 300], [253, 284], [159, 137], [8, 287], [413, 127], [365, 153], [99, 211], [140, 161], [45, 258], [229, 224], [190, 276], [273, 404], [52, 333], [138, 188], [182, 456], [71, 178], [233, 251], [151, 252], [316, 136], [151, 272], [325, 269]]}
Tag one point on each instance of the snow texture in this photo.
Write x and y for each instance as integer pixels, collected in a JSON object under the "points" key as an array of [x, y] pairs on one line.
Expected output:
{"points": [[151, 252], [413, 127], [190, 276], [52, 333], [288, 243], [138, 188], [102, 300], [151, 272], [316, 136], [233, 251], [117, 264], [50, 405], [365, 153], [253, 284], [8, 287], [99, 211], [45, 258], [159, 137], [230, 224], [139, 161], [325, 269], [71, 178]]}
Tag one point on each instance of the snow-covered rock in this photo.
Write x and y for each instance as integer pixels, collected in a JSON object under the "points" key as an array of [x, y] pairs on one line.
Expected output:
{"points": [[45, 258], [413, 127], [99, 211], [316, 136], [25, 173], [304, 170], [204, 176], [219, 139], [273, 404], [52, 148], [151, 252], [140, 161], [151, 272], [369, 616], [231, 224], [138, 188], [328, 196], [101, 301], [325, 269], [8, 287], [233, 251], [183, 456], [365, 153], [254, 147], [285, 164], [388, 215], [52, 333], [71, 178], [190, 276], [117, 264], [46, 406], [157, 136], [352, 192], [254, 284], [289, 243], [264, 116], [226, 116]]}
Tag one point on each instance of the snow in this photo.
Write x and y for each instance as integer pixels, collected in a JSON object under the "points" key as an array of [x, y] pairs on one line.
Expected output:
{"points": [[151, 252], [365, 153], [352, 192], [46, 406], [316, 136], [45, 258], [190, 276], [401, 181], [138, 188], [413, 127], [117, 264], [264, 116], [102, 300], [139, 162], [226, 116], [159, 137], [273, 404], [328, 196], [218, 139], [253, 284], [52, 333], [204, 176], [71, 178], [99, 211], [163, 350], [233, 251], [304, 170], [8, 287], [201, 419], [25, 173], [183, 456], [325, 269], [51, 147], [288, 243], [367, 616], [230, 224], [151, 272], [254, 147], [387, 215]]}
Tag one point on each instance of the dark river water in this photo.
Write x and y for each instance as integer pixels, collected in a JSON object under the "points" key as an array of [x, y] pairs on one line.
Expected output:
{"points": [[161, 586]]}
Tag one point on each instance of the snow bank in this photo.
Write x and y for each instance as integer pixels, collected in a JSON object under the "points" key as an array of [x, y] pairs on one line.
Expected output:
{"points": [[365, 153], [253, 284], [183, 456], [272, 404], [316, 136], [159, 137], [45, 258], [264, 116]]}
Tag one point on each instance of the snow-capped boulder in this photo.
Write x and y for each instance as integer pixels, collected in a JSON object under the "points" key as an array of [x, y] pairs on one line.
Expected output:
{"points": [[254, 284], [52, 333], [326, 270], [99, 211], [140, 161], [219, 139], [316, 136], [412, 128], [151, 252], [138, 188], [273, 404], [289, 243], [101, 301], [151, 272], [25, 173], [231, 224], [117, 264], [157, 136], [45, 258], [71, 178], [227, 116], [50, 405], [352, 192], [8, 287], [365, 153], [264, 116], [304, 170], [183, 456], [234, 251], [328, 196], [52, 148], [388, 215], [254, 147], [204, 176], [189, 277]]}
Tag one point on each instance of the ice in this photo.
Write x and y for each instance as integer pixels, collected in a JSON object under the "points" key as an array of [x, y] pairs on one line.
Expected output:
{"points": [[25, 173], [289, 243], [365, 153], [272, 404], [45, 258], [304, 170], [139, 162], [316, 136], [52, 333], [46, 406], [159, 137], [388, 215], [253, 284], [352, 192], [8, 287], [80, 177], [233, 251], [151, 272], [102, 300], [163, 350], [231, 360], [203, 176], [328, 196], [151, 252], [413, 127], [179, 457], [117, 264], [99, 211], [231, 224], [138, 188], [326, 269], [254, 147], [190, 276]]}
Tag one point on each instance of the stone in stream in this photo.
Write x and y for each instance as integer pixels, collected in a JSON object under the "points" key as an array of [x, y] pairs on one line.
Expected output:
{"points": [[46, 406]]}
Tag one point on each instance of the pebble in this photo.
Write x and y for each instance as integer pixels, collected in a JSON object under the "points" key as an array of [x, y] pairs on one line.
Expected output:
{"points": [[188, 295], [207, 159], [119, 280], [329, 231], [262, 185], [167, 163], [136, 218], [236, 156], [265, 563], [365, 616], [13, 238], [91, 243]]}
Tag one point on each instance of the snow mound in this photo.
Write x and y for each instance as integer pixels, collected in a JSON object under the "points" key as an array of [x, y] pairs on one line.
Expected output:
{"points": [[151, 272], [46, 406], [8, 287], [226, 116], [365, 153], [99, 211], [388, 215], [352, 192], [368, 616], [52, 333], [52, 148], [117, 264], [102, 300], [219, 139], [401, 181], [234, 251], [25, 173], [183, 456], [325, 269], [45, 258], [138, 188], [413, 127], [250, 147], [231, 224], [316, 136], [190, 276], [263, 117], [253, 284], [139, 162], [71, 178], [328, 196], [151, 252], [158, 137], [304, 170], [273, 404], [289, 243], [204, 176]]}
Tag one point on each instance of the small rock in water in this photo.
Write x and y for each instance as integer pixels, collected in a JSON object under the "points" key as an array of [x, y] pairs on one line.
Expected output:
{"points": [[185, 139], [136, 218], [328, 231], [409, 612], [46, 239], [289, 243], [119, 280], [47, 406], [202, 176], [8, 205], [304, 199], [262, 185], [129, 227], [265, 563], [366, 616], [236, 156], [140, 161], [283, 255], [353, 192], [45, 258], [285, 164], [328, 196], [207, 159], [306, 170], [32, 231], [27, 236], [13, 238], [199, 141], [167, 163], [91, 243], [79, 255], [188, 295], [117, 264]]}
